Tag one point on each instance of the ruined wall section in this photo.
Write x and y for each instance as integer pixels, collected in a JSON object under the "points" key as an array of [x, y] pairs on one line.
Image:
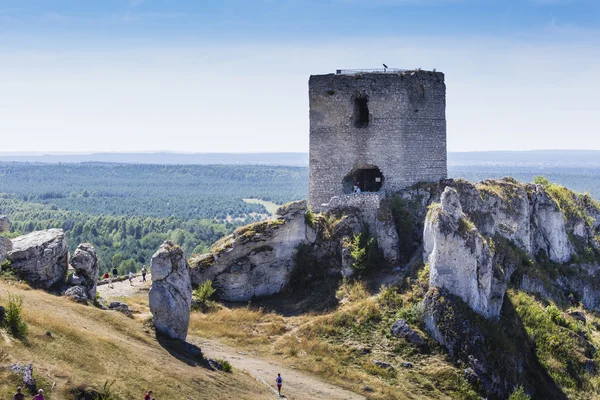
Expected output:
{"points": [[405, 137]]}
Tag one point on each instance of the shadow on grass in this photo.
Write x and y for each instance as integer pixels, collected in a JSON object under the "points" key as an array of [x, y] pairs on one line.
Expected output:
{"points": [[183, 351]]}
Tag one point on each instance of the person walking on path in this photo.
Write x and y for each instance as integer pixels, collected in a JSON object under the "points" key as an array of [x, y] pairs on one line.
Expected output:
{"points": [[144, 270], [115, 273], [148, 395], [110, 284], [19, 395], [39, 396], [130, 278], [279, 381]]}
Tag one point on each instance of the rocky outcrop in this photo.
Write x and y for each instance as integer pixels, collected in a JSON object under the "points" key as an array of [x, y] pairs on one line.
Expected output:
{"points": [[171, 294], [498, 359], [401, 329], [548, 227], [525, 214], [257, 259], [460, 259], [4, 224], [373, 213], [85, 263], [5, 247], [41, 257]]}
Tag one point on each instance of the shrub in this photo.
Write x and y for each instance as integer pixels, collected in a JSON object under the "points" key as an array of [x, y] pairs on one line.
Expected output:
{"points": [[364, 251], [203, 292], [14, 320], [6, 272], [309, 218], [106, 394], [414, 315], [519, 394], [541, 180], [226, 365]]}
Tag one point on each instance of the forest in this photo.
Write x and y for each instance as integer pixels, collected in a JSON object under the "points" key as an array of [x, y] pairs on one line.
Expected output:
{"points": [[127, 210]]}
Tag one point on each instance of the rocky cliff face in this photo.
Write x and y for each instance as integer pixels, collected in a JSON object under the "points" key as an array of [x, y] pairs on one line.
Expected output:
{"points": [[547, 223], [260, 259], [256, 260], [460, 259], [41, 257], [170, 297]]}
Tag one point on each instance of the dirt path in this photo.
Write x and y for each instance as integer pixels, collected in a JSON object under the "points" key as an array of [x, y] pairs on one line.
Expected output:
{"points": [[124, 289], [296, 385]]}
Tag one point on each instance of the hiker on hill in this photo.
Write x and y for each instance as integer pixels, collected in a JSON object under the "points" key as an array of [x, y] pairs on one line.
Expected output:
{"points": [[130, 278], [115, 272], [144, 270], [39, 396], [148, 395], [279, 381], [19, 395]]}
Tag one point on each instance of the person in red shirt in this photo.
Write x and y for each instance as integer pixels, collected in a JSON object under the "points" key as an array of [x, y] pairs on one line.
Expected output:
{"points": [[148, 395]]}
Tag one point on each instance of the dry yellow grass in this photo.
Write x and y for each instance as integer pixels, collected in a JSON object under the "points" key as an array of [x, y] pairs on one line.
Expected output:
{"points": [[331, 346], [91, 346]]}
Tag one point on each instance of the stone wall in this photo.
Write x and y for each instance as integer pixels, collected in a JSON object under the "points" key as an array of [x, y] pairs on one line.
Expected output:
{"points": [[405, 136]]}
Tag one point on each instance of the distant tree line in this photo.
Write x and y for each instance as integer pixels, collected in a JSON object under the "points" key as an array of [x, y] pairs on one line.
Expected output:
{"points": [[121, 241], [182, 191]]}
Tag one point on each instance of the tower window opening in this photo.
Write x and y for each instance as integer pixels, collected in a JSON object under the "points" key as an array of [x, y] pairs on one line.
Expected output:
{"points": [[361, 112]]}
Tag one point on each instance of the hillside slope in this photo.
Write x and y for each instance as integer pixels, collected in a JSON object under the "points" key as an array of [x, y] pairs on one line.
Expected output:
{"points": [[71, 345]]}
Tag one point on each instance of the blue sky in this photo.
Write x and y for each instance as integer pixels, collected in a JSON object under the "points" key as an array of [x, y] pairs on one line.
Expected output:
{"points": [[231, 75]]}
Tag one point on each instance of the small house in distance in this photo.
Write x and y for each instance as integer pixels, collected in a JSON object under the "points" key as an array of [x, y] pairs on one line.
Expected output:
{"points": [[378, 131]]}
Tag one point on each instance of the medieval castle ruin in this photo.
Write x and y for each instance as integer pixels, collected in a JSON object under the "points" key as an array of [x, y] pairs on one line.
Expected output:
{"points": [[378, 131]]}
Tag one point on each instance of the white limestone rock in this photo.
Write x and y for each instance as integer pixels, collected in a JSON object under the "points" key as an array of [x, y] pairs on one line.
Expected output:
{"points": [[460, 260], [85, 263], [548, 227], [171, 294], [41, 257], [257, 259]]}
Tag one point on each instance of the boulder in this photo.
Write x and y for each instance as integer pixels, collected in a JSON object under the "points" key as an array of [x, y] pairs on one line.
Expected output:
{"points": [[171, 293], [77, 293], [257, 259], [85, 263], [460, 260], [41, 257], [5, 247], [121, 307], [401, 329], [384, 365], [26, 373], [4, 223]]}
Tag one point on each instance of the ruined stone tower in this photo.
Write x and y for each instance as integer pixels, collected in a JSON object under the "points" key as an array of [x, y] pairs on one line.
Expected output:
{"points": [[379, 131]]}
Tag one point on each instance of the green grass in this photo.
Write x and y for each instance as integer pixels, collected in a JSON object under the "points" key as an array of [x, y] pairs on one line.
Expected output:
{"points": [[558, 343], [269, 205]]}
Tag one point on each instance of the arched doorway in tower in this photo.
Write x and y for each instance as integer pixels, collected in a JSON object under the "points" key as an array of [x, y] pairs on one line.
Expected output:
{"points": [[367, 179]]}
